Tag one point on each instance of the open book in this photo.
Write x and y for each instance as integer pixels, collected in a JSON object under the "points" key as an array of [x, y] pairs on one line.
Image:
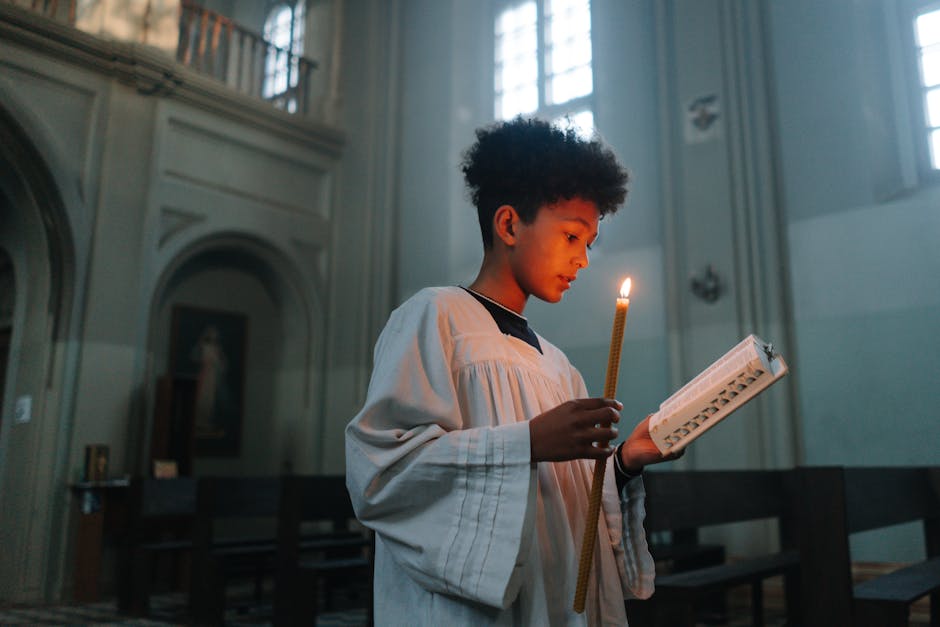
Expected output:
{"points": [[741, 374]]}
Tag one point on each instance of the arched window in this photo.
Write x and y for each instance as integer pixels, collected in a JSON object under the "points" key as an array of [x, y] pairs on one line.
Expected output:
{"points": [[927, 44], [544, 61], [284, 32]]}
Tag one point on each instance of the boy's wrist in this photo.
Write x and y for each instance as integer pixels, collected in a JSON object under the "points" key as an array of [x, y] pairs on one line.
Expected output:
{"points": [[623, 467]]}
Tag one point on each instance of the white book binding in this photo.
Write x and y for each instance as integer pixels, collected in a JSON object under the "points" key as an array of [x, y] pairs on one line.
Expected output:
{"points": [[741, 374]]}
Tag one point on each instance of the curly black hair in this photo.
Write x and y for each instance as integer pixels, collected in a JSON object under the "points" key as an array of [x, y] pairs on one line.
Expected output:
{"points": [[529, 163]]}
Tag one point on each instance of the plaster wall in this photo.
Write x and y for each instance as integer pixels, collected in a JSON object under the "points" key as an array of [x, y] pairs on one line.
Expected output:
{"points": [[862, 236]]}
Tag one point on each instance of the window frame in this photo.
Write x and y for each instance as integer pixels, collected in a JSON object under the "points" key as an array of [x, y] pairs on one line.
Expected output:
{"points": [[544, 110], [920, 128], [286, 98]]}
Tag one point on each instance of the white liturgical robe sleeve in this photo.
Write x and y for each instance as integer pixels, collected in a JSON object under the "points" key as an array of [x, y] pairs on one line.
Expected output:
{"points": [[451, 501]]}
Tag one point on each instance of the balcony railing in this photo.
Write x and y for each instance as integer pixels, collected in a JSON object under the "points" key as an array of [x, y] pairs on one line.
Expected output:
{"points": [[206, 41], [63, 11], [216, 45]]}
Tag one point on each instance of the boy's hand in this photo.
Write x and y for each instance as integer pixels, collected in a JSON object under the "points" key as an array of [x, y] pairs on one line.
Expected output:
{"points": [[639, 450], [570, 430]]}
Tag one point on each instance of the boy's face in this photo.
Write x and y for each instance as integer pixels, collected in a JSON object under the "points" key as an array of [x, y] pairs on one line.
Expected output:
{"points": [[549, 252]]}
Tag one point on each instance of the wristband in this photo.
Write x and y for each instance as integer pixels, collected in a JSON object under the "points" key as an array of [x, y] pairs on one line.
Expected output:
{"points": [[618, 465]]}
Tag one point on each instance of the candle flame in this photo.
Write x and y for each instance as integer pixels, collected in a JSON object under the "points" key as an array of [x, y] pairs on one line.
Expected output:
{"points": [[625, 288]]}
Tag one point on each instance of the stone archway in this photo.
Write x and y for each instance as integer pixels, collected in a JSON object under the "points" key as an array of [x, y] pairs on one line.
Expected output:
{"points": [[7, 303], [242, 275], [36, 236]]}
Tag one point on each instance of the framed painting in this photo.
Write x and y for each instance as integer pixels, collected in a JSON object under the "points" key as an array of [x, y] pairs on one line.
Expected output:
{"points": [[207, 347]]}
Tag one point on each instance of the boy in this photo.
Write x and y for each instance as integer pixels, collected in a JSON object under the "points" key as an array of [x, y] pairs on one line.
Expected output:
{"points": [[471, 458]]}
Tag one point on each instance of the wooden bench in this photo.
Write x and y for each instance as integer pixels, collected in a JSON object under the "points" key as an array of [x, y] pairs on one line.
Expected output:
{"points": [[304, 562], [693, 499], [162, 524], [683, 551], [841, 501], [217, 560], [160, 515], [176, 518]]}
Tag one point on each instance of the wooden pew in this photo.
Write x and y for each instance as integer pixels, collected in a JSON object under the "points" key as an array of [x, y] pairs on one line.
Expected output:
{"points": [[306, 561], [216, 560], [684, 551], [693, 499], [841, 501], [160, 515]]}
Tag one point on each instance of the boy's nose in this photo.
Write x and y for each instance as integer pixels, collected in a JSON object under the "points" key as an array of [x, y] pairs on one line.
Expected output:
{"points": [[582, 260]]}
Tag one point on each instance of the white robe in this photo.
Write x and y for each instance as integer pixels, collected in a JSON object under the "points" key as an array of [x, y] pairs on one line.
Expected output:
{"points": [[469, 530]]}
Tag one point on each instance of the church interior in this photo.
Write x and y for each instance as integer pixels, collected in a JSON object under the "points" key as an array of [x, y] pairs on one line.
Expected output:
{"points": [[208, 210]]}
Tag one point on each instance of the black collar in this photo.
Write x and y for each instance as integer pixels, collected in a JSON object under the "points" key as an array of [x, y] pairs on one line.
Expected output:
{"points": [[508, 321]]}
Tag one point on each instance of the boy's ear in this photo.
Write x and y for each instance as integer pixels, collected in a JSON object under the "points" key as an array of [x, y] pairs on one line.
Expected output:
{"points": [[504, 222]]}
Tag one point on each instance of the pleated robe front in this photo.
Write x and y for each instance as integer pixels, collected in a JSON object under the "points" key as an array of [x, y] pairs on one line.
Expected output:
{"points": [[468, 530]]}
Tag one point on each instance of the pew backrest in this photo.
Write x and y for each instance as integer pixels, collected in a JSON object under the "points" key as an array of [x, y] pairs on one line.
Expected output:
{"points": [[837, 502], [307, 499], [160, 520], [311, 498], [882, 497], [156, 498], [688, 499], [238, 497], [325, 497]]}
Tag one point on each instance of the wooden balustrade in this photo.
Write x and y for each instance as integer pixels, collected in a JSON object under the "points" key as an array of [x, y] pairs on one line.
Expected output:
{"points": [[215, 45], [53, 9]]}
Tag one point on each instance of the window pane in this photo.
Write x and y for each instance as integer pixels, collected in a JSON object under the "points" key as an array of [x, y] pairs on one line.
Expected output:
{"points": [[516, 71], [518, 43], [582, 122], [284, 31], [297, 43], [930, 66], [558, 6], [569, 54], [927, 27], [572, 84], [516, 17], [515, 75], [277, 29], [572, 21], [933, 108], [568, 59], [512, 103], [562, 7], [935, 149]]}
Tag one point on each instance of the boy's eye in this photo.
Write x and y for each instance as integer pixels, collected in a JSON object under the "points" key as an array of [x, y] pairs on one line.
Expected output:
{"points": [[571, 237]]}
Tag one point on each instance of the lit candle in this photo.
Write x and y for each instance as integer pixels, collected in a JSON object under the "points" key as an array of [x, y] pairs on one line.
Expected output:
{"points": [[600, 466]]}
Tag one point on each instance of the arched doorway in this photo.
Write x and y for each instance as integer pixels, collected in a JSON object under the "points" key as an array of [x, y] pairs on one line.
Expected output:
{"points": [[37, 241]]}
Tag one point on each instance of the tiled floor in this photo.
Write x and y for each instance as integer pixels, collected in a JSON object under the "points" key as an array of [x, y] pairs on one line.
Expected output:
{"points": [[166, 609], [170, 609]]}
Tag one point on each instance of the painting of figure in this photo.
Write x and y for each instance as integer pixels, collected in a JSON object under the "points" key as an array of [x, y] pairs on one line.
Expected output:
{"points": [[208, 347]]}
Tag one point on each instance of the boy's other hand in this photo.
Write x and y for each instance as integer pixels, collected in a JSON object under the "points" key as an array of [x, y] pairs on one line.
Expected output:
{"points": [[639, 450], [570, 430]]}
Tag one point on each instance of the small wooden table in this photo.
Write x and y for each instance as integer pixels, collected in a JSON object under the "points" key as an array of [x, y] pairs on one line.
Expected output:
{"points": [[101, 509]]}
